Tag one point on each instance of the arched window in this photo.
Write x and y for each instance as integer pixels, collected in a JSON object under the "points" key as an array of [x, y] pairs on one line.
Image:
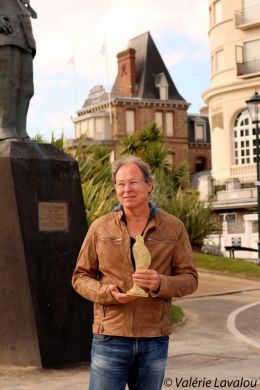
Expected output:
{"points": [[244, 139]]}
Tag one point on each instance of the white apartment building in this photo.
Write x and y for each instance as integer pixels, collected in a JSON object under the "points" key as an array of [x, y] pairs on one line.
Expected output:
{"points": [[234, 34]]}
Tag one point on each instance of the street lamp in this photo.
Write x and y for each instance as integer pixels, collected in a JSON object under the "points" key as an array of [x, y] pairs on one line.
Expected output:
{"points": [[253, 105]]}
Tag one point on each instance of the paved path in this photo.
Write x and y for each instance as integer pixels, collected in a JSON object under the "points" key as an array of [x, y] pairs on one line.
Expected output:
{"points": [[214, 283], [203, 349]]}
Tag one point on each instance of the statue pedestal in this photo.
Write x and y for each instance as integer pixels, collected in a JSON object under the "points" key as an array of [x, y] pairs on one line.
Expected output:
{"points": [[44, 322]]}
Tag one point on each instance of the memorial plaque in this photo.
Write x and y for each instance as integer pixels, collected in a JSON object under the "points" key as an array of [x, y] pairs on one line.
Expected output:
{"points": [[53, 216]]}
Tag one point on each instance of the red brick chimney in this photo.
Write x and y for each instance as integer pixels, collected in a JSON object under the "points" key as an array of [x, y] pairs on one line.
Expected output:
{"points": [[204, 110], [126, 72]]}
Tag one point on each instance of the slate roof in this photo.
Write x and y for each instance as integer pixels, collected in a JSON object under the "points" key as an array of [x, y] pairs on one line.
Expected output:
{"points": [[149, 65]]}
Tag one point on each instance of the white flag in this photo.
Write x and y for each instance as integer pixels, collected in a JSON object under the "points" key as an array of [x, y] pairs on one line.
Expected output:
{"points": [[71, 61], [103, 50]]}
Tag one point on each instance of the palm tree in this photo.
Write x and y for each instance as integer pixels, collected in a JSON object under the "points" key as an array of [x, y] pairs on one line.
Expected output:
{"points": [[58, 142], [39, 138], [147, 144], [151, 134], [130, 144]]}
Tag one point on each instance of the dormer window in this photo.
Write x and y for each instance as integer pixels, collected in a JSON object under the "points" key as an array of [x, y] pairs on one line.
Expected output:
{"points": [[162, 84], [200, 130]]}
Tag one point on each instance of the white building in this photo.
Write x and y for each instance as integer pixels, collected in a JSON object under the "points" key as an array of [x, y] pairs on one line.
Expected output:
{"points": [[234, 34]]}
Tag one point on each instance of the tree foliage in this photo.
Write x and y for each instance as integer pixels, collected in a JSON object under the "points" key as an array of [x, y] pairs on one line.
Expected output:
{"points": [[197, 216], [147, 144], [95, 174], [39, 138], [98, 198], [58, 142]]}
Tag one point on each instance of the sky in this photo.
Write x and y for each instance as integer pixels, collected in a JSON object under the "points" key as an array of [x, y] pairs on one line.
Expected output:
{"points": [[66, 30]]}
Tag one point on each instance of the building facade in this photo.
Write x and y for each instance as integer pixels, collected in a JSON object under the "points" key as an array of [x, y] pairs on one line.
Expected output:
{"points": [[143, 93], [199, 142], [234, 34]]}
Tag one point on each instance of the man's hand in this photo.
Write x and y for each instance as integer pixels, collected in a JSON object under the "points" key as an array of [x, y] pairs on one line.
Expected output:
{"points": [[5, 25], [119, 296], [147, 279]]}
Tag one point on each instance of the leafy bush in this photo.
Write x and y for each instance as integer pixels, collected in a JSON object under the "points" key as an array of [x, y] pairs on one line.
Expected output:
{"points": [[197, 216], [95, 174], [98, 198], [176, 315], [211, 249], [58, 142]]}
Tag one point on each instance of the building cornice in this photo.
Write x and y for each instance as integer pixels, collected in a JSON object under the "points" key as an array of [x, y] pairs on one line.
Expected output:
{"points": [[230, 87], [152, 102], [219, 25], [131, 101], [103, 112], [234, 204]]}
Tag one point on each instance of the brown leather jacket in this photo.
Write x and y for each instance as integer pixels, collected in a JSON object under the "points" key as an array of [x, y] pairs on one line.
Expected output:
{"points": [[105, 259]]}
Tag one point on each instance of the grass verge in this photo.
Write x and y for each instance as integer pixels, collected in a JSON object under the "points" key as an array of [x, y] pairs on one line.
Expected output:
{"points": [[176, 315], [227, 265]]}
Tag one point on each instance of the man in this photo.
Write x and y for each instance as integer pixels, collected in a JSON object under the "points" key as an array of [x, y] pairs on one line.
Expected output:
{"points": [[17, 49], [131, 334]]}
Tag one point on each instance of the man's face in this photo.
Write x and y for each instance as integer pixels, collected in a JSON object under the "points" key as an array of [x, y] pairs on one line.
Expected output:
{"points": [[131, 189]]}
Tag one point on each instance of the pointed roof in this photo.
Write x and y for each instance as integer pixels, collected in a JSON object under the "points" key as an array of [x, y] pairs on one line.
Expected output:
{"points": [[149, 69]]}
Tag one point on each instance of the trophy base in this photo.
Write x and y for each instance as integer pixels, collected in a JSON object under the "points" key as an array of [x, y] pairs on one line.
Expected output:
{"points": [[137, 291]]}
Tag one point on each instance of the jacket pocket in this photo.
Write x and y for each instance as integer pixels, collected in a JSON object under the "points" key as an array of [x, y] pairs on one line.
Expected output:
{"points": [[161, 240], [118, 241]]}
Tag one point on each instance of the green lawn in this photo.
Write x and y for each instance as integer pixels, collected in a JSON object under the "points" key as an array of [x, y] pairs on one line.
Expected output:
{"points": [[225, 264]]}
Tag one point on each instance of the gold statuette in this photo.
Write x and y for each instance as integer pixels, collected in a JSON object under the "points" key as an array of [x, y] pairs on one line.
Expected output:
{"points": [[142, 261]]}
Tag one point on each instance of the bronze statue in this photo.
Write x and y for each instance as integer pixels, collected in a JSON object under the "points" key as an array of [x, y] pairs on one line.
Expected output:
{"points": [[17, 49], [142, 261]]}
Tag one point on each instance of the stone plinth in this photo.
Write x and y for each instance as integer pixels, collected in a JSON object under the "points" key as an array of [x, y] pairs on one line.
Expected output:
{"points": [[43, 322]]}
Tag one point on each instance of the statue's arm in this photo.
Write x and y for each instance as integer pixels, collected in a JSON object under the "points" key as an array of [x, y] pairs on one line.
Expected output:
{"points": [[5, 25]]}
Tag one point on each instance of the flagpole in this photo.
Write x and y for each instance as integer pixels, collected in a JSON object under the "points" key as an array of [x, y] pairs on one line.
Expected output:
{"points": [[104, 53], [72, 62]]}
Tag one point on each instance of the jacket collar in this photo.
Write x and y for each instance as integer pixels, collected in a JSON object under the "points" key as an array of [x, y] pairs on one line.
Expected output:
{"points": [[153, 211]]}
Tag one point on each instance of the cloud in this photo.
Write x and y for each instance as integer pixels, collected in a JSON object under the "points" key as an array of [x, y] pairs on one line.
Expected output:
{"points": [[58, 121], [66, 29], [200, 54], [50, 83], [175, 57]]}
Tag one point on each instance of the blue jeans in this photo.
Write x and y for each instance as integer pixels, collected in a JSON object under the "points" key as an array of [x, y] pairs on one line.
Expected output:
{"points": [[138, 362]]}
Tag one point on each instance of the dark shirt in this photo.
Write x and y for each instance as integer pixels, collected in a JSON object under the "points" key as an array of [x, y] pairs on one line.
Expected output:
{"points": [[153, 211]]}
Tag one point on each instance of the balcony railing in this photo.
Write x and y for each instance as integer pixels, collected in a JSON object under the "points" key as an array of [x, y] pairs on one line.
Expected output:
{"points": [[245, 173], [247, 16], [248, 66]]}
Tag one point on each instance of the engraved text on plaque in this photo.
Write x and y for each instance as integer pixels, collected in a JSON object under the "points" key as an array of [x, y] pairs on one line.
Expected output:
{"points": [[53, 216]]}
